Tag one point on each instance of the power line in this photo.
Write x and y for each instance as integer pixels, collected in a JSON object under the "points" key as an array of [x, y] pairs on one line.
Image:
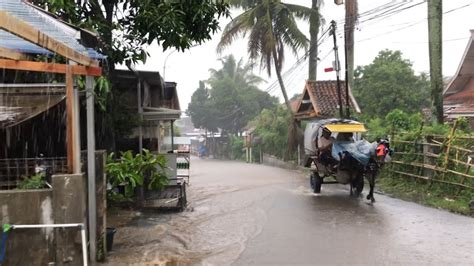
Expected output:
{"points": [[413, 24]]}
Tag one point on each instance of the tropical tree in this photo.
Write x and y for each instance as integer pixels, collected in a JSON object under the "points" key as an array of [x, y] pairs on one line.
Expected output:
{"points": [[233, 100], [201, 109], [435, 28], [240, 73], [389, 82], [271, 126], [350, 21], [271, 25]]}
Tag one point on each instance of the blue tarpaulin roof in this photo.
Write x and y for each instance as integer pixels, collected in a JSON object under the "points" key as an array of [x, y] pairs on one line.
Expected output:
{"points": [[44, 23]]}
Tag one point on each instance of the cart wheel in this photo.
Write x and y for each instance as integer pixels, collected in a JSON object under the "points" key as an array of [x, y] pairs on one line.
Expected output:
{"points": [[358, 185], [315, 181]]}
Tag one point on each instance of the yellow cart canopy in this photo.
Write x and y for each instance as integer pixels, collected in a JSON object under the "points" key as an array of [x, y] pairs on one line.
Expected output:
{"points": [[346, 127]]}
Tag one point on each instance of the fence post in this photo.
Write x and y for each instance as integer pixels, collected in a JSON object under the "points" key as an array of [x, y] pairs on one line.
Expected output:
{"points": [[448, 148]]}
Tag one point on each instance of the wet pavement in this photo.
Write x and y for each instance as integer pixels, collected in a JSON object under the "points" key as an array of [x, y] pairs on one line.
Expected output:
{"points": [[247, 214]]}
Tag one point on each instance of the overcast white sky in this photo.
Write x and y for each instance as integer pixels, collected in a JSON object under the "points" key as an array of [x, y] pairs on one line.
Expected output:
{"points": [[406, 31]]}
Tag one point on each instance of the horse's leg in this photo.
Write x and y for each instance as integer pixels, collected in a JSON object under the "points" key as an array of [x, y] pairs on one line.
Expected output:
{"points": [[371, 179]]}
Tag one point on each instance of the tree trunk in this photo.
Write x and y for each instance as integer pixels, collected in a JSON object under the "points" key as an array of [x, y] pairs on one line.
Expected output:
{"points": [[313, 45], [282, 84], [435, 15]]}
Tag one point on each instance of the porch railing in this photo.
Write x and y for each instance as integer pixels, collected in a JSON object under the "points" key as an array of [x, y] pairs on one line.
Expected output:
{"points": [[13, 170]]}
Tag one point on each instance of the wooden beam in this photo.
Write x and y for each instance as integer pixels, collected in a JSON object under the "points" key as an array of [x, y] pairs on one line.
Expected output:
{"points": [[49, 67], [70, 122], [29, 33], [10, 54]]}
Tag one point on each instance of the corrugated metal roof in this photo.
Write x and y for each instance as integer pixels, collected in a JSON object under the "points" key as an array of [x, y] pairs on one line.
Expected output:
{"points": [[13, 42], [44, 23]]}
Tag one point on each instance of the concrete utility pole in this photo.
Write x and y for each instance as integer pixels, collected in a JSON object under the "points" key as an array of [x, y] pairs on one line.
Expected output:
{"points": [[435, 27], [91, 199], [349, 26], [313, 43], [337, 68]]}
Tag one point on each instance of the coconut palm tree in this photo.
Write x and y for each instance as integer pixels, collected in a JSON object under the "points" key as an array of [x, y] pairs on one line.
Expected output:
{"points": [[242, 74], [271, 26]]}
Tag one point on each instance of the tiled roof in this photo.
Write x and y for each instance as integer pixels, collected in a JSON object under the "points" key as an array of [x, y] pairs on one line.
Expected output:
{"points": [[465, 96], [294, 104], [325, 95]]}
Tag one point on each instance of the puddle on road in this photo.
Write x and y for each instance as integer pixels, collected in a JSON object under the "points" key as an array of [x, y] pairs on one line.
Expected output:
{"points": [[212, 231]]}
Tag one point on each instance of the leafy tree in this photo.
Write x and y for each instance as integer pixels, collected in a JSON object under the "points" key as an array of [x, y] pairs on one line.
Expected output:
{"points": [[235, 95], [389, 82], [271, 25], [233, 100], [271, 125], [125, 26], [201, 109]]}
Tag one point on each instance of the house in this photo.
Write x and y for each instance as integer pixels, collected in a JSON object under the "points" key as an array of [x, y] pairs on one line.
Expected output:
{"points": [[320, 100], [32, 110], [156, 104], [458, 96]]}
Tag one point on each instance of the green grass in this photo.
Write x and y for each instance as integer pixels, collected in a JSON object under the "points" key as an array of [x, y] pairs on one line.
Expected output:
{"points": [[434, 195]]}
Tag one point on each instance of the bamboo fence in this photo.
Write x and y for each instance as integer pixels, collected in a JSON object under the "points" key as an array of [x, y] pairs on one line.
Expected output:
{"points": [[435, 159]]}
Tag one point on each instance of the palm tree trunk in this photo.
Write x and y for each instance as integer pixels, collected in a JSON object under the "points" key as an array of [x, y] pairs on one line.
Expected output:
{"points": [[313, 45], [435, 15], [351, 18], [280, 80]]}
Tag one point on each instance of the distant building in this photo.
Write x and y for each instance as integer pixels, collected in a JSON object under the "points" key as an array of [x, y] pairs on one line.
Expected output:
{"points": [[320, 100], [458, 97], [152, 99]]}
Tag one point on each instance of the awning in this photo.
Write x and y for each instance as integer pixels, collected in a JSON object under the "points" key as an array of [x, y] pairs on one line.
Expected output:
{"points": [[20, 102], [160, 114], [346, 127]]}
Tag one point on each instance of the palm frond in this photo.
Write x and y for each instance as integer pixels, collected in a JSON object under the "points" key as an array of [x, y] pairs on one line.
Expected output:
{"points": [[285, 26], [301, 12], [239, 25], [245, 4]]}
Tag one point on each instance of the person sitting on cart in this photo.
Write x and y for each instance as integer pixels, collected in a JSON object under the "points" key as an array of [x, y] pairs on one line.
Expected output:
{"points": [[345, 136], [324, 145]]}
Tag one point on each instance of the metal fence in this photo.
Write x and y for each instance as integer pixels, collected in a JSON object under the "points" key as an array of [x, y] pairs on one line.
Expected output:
{"points": [[13, 170]]}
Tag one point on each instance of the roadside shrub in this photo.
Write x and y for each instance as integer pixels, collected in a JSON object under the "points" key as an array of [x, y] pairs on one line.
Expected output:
{"points": [[132, 171]]}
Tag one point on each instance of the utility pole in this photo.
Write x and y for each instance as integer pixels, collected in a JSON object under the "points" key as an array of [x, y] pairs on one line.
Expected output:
{"points": [[348, 112], [337, 68], [435, 34]]}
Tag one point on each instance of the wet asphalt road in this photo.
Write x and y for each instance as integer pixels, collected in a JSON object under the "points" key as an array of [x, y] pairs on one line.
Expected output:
{"points": [[246, 214]]}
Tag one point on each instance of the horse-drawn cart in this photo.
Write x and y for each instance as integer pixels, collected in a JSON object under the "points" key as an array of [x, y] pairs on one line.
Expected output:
{"points": [[349, 159]]}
